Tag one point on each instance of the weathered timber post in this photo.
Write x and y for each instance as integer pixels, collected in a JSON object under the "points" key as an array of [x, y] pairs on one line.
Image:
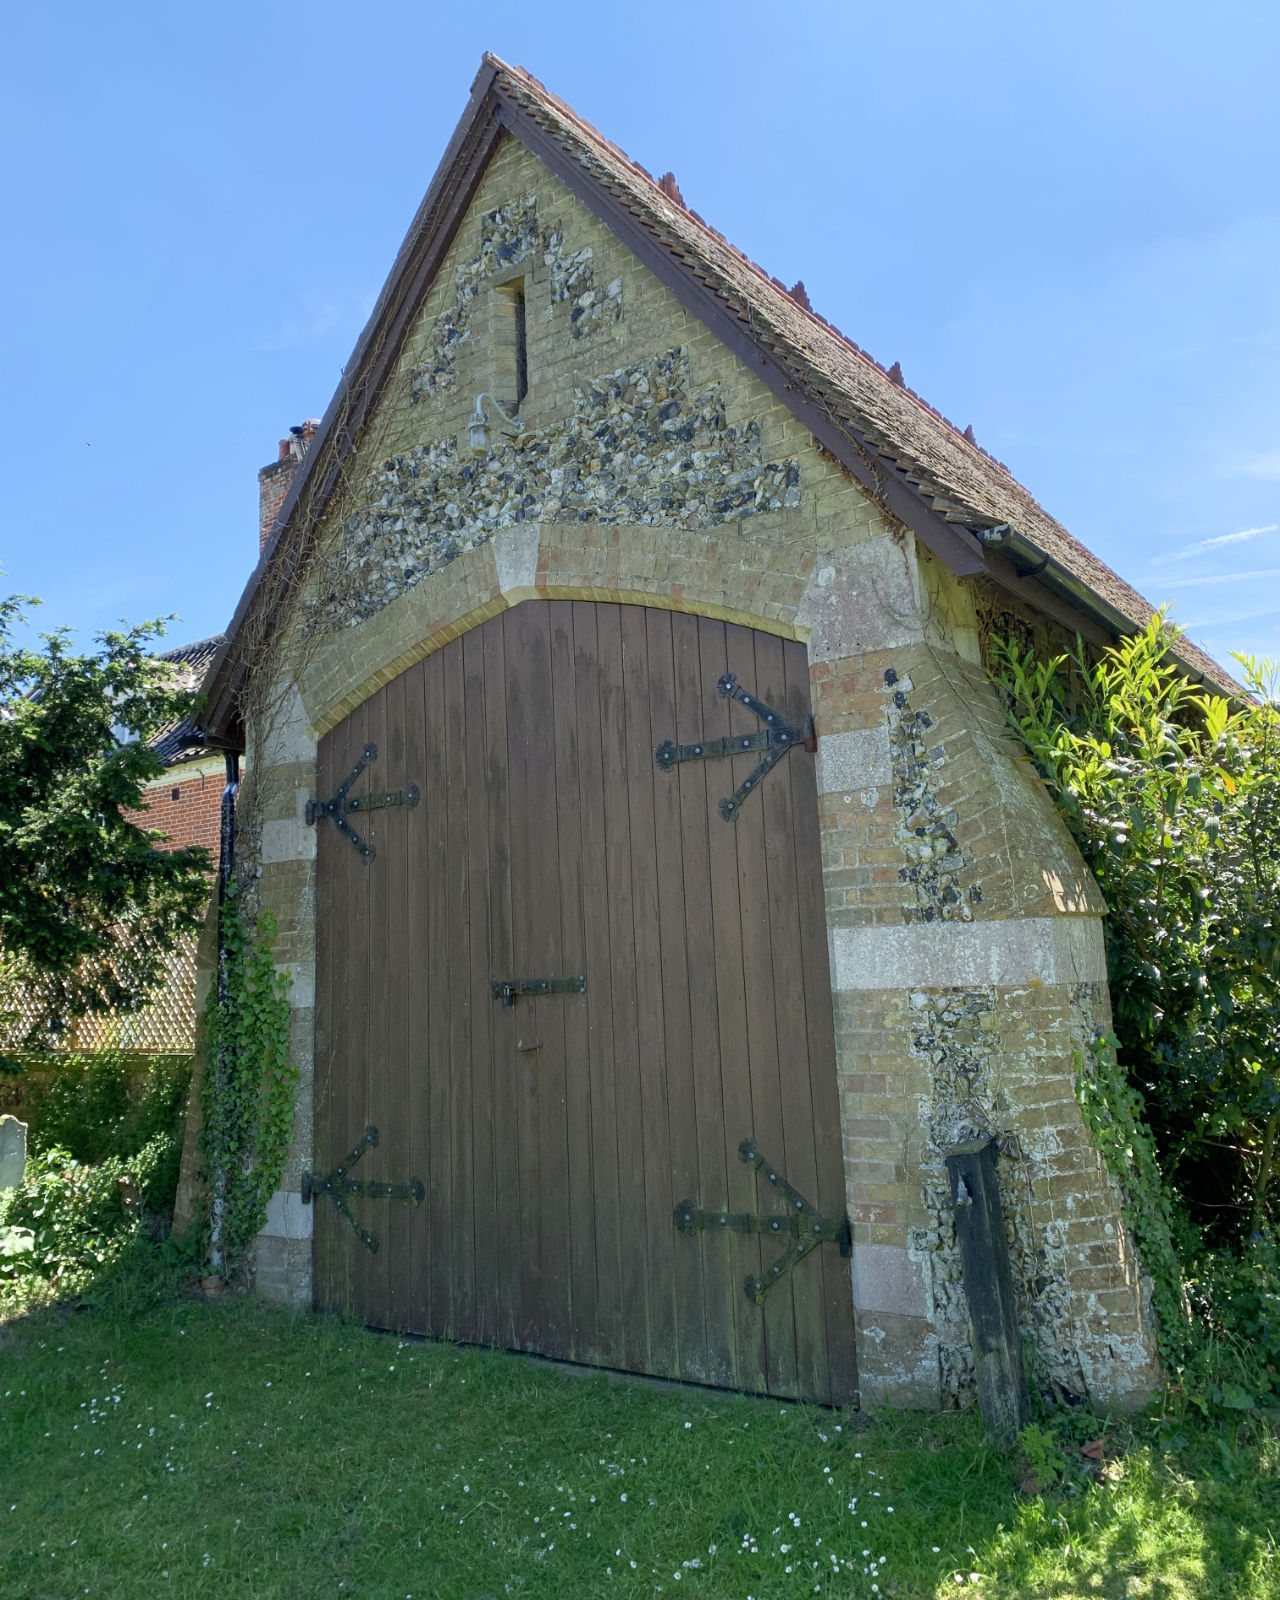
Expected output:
{"points": [[988, 1287]]}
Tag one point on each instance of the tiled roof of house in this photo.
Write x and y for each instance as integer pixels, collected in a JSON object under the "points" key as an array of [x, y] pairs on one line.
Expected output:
{"points": [[963, 503], [179, 741]]}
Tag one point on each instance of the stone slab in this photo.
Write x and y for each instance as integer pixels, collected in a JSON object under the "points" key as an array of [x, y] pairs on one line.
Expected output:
{"points": [[860, 599], [289, 840], [854, 761], [885, 1278], [288, 1218], [933, 955], [515, 558]]}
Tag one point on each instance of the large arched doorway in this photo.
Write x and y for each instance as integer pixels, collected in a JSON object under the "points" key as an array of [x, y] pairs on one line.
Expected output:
{"points": [[555, 1136]]}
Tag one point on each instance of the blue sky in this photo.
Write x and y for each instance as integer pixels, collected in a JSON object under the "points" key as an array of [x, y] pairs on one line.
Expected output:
{"points": [[1062, 220]]}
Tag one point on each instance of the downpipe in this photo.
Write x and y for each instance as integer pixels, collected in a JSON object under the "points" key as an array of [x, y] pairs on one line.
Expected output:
{"points": [[226, 868]]}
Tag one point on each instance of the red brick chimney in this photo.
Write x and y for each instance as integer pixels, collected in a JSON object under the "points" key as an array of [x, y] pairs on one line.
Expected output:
{"points": [[274, 480]]}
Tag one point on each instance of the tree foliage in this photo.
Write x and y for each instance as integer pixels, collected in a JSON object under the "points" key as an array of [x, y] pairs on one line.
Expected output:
{"points": [[1173, 795], [88, 903]]}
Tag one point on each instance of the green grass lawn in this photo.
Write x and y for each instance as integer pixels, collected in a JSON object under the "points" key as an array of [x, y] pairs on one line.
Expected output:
{"points": [[224, 1449]]}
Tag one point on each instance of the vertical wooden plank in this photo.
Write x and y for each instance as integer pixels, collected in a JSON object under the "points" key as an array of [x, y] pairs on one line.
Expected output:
{"points": [[842, 1376], [435, 978], [651, 1023], [618, 770], [417, 1023], [675, 1063], [329, 1002], [396, 1216], [608, 1347], [539, 872], [348, 927], [710, 1187], [372, 958], [762, 1036], [574, 957], [485, 1323], [804, 1286], [522, 710], [517, 1240], [458, 964], [741, 1255]]}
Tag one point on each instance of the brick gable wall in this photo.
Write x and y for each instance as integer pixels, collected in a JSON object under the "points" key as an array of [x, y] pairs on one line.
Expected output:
{"points": [[185, 806]]}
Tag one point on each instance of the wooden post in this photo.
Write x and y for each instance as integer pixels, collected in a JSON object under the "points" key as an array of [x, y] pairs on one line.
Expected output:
{"points": [[988, 1287]]}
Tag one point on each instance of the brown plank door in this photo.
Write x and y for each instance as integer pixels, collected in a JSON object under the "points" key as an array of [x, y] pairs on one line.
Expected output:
{"points": [[555, 1138]]}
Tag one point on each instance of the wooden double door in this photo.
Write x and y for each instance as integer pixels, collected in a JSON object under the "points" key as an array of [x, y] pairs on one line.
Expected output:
{"points": [[553, 1137]]}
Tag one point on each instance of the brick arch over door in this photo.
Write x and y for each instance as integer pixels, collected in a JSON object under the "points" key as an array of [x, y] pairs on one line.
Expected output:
{"points": [[554, 1137]]}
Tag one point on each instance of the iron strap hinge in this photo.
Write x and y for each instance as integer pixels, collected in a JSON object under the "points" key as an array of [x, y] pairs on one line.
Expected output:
{"points": [[803, 1223], [338, 1186], [337, 808], [508, 989], [776, 738]]}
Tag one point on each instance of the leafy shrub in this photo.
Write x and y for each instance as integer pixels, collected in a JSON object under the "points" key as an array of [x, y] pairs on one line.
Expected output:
{"points": [[81, 1216], [1173, 797], [1237, 1301], [106, 1148], [102, 1103]]}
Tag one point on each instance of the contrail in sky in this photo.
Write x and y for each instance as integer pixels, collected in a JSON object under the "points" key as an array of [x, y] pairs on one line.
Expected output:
{"points": [[1189, 550]]}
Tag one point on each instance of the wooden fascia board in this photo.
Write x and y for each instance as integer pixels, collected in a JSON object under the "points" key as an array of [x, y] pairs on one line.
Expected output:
{"points": [[955, 546], [364, 376]]}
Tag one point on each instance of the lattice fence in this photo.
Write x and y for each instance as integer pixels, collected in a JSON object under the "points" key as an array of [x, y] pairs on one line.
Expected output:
{"points": [[165, 1027]]}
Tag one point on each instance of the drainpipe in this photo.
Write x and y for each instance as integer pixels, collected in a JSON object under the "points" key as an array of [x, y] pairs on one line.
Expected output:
{"points": [[226, 866], [1033, 562]]}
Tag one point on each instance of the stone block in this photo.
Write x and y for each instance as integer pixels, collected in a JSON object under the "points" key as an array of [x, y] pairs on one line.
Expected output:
{"points": [[885, 1278], [897, 1361], [1026, 950], [860, 599], [287, 1217]]}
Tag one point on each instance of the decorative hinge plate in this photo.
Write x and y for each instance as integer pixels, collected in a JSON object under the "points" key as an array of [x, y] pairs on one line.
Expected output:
{"points": [[338, 1186], [509, 989], [338, 808], [804, 1224], [776, 738]]}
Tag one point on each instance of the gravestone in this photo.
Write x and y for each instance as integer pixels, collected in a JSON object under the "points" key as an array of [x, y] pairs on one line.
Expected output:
{"points": [[13, 1152]]}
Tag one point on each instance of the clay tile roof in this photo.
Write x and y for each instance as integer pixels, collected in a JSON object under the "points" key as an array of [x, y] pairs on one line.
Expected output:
{"points": [[964, 482], [179, 741]]}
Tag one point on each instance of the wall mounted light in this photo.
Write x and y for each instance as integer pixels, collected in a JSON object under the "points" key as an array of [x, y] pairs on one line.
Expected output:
{"points": [[479, 424]]}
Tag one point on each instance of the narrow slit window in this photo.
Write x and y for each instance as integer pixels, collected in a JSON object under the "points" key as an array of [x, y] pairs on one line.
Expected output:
{"points": [[510, 344], [522, 348]]}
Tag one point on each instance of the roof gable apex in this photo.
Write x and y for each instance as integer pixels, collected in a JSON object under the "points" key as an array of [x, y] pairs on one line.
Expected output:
{"points": [[958, 501]]}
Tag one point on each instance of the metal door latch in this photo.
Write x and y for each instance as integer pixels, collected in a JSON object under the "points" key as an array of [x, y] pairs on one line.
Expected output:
{"points": [[338, 1186], [509, 989], [776, 738], [338, 808], [804, 1224]]}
